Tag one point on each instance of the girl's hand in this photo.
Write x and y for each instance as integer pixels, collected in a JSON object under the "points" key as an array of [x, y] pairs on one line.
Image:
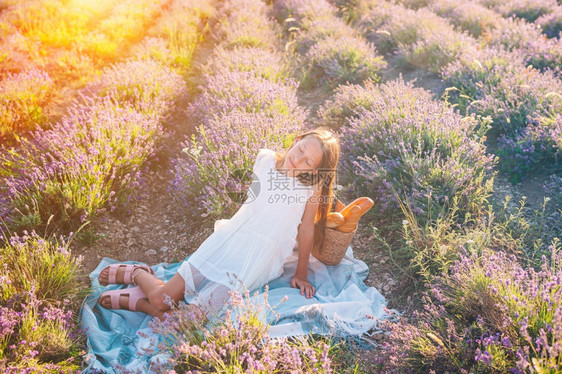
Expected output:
{"points": [[306, 288]]}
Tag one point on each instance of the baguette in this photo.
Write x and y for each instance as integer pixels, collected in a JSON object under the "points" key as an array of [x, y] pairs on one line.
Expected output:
{"points": [[364, 202], [353, 212], [334, 219], [351, 220]]}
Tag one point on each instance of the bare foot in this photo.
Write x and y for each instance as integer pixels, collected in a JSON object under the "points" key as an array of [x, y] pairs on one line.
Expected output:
{"points": [[103, 277], [141, 305], [133, 299], [105, 301]]}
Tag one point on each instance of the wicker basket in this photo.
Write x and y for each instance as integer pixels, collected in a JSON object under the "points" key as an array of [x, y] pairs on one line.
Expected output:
{"points": [[335, 243]]}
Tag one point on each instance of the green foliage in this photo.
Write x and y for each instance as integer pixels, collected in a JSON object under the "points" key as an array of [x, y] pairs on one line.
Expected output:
{"points": [[484, 311], [42, 265], [38, 287], [437, 49], [527, 232], [22, 97]]}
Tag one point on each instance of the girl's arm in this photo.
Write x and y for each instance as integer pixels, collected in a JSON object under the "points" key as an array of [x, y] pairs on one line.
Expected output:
{"points": [[305, 238]]}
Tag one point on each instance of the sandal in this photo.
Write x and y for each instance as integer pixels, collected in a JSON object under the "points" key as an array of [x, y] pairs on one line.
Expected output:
{"points": [[135, 294], [127, 277]]}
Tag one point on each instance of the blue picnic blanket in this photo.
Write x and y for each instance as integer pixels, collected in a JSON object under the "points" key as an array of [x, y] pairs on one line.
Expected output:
{"points": [[118, 340]]}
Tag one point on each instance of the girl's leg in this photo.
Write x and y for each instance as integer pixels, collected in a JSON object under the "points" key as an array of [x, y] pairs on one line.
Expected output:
{"points": [[159, 294]]}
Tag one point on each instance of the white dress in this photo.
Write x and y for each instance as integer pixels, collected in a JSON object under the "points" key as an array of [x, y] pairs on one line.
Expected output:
{"points": [[250, 248]]}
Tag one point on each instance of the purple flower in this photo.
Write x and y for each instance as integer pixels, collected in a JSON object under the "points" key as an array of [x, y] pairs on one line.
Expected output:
{"points": [[395, 132]]}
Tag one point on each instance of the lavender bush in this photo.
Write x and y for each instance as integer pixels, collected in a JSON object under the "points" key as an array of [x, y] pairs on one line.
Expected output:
{"points": [[321, 29], [513, 316], [38, 282], [262, 63], [22, 97], [375, 25], [303, 12], [333, 54], [497, 83], [437, 48], [45, 266], [512, 34], [15, 53], [245, 24], [551, 23], [522, 102], [544, 54], [127, 24], [204, 172], [238, 342], [420, 148], [73, 66], [529, 10], [470, 17], [415, 4], [145, 85], [526, 40], [426, 40], [536, 145], [243, 91], [155, 49], [347, 59], [347, 103], [89, 161], [352, 10], [402, 26], [423, 39]]}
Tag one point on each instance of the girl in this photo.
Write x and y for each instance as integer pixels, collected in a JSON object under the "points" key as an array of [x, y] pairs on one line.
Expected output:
{"points": [[249, 249]]}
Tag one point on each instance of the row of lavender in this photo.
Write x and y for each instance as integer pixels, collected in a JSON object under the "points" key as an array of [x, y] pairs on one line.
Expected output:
{"points": [[488, 14], [546, 14], [491, 29], [247, 102], [88, 162], [415, 34], [490, 75], [484, 310]]}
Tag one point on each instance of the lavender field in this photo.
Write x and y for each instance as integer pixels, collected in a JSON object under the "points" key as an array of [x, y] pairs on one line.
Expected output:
{"points": [[121, 124]]}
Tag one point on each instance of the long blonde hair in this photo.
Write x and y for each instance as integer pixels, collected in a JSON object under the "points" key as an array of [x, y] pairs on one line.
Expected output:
{"points": [[326, 175]]}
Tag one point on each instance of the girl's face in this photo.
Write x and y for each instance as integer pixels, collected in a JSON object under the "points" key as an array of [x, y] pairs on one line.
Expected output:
{"points": [[304, 156]]}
